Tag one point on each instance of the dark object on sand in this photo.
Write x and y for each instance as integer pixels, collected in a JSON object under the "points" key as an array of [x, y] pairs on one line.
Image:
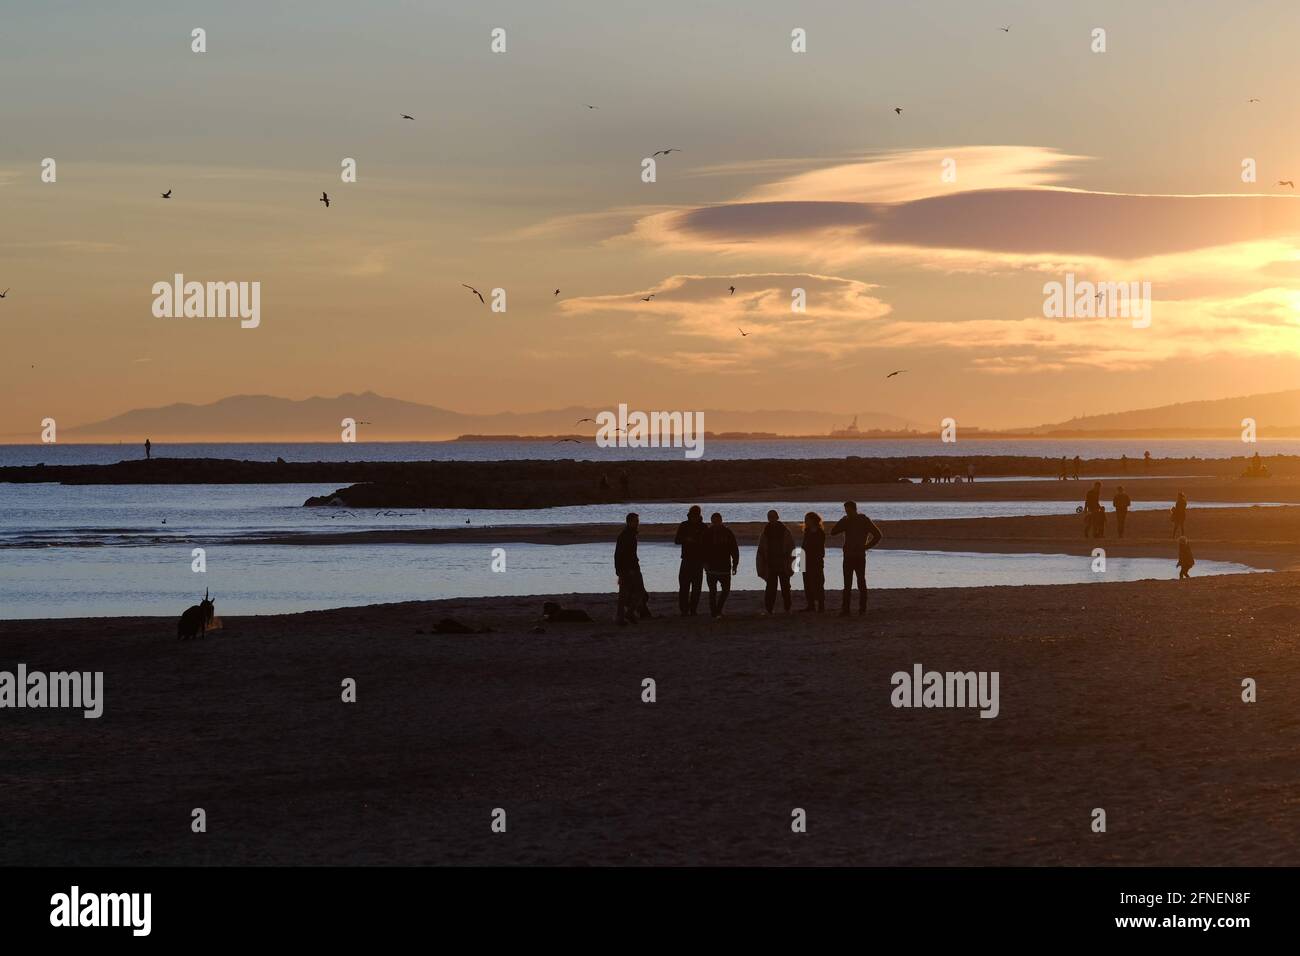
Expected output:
{"points": [[537, 629], [449, 625], [195, 620], [554, 613]]}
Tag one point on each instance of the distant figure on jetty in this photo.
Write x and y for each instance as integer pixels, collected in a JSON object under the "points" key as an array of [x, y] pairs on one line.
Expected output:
{"points": [[814, 562], [690, 574], [1185, 559], [775, 554], [148, 449], [1123, 464], [1121, 502], [1076, 467], [1091, 506], [1178, 514], [721, 561], [1146, 461], [860, 536], [1256, 468], [632, 596], [970, 473], [1065, 470]]}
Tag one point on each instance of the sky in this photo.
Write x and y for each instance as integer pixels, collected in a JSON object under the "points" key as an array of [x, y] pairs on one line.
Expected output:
{"points": [[794, 171]]}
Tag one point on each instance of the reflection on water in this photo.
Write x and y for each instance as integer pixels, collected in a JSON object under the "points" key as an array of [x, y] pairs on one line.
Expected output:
{"points": [[157, 580]]}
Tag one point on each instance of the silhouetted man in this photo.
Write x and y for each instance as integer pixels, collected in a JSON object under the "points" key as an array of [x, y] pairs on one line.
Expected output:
{"points": [[721, 561], [860, 536], [1091, 506], [148, 449], [1121, 501], [775, 554], [632, 596], [690, 574]]}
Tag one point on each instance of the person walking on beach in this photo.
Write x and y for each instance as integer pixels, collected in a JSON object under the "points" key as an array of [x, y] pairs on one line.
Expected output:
{"points": [[632, 597], [775, 551], [1185, 559], [1178, 514], [814, 562], [721, 561], [970, 473], [148, 449], [690, 574], [1121, 503], [1076, 467], [1091, 506], [1065, 470], [860, 536]]}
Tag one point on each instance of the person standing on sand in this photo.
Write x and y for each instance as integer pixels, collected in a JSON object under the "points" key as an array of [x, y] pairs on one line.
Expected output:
{"points": [[1065, 470], [1146, 462], [814, 562], [690, 574], [775, 551], [632, 596], [721, 561], [1091, 506], [1121, 503], [148, 449], [1185, 559], [970, 473], [1076, 467], [1178, 514], [860, 536]]}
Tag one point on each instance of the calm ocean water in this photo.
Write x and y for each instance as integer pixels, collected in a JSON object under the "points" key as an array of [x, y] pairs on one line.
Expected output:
{"points": [[81, 582], [69, 454]]}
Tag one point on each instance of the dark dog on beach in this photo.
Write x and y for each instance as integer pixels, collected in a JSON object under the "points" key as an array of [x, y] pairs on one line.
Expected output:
{"points": [[194, 622], [553, 612]]}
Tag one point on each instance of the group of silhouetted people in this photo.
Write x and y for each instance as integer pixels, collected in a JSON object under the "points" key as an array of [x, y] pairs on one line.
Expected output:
{"points": [[710, 552], [1094, 521]]}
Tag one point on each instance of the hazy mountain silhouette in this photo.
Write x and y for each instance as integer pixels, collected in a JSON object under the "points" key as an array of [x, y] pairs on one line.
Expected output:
{"points": [[268, 418], [1272, 412]]}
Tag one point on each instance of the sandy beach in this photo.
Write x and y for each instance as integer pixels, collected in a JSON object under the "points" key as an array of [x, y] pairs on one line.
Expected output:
{"points": [[1120, 696]]}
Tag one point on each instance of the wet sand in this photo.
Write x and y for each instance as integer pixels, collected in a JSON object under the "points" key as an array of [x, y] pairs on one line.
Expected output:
{"points": [[1123, 696]]}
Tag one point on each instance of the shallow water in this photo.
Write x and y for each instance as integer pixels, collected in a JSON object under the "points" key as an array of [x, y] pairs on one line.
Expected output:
{"points": [[157, 580], [50, 515]]}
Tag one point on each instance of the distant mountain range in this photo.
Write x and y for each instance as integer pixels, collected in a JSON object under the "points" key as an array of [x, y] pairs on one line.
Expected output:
{"points": [[1275, 414], [268, 418]]}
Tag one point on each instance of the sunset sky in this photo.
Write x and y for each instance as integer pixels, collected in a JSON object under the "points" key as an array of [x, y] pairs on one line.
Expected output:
{"points": [[793, 171]]}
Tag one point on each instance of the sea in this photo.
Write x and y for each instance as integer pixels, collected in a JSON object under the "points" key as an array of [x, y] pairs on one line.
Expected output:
{"points": [[112, 550]]}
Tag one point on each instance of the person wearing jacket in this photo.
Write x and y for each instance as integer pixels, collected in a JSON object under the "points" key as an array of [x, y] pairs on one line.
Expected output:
{"points": [[1121, 502], [860, 536], [690, 574], [632, 596], [814, 562], [775, 554], [721, 561]]}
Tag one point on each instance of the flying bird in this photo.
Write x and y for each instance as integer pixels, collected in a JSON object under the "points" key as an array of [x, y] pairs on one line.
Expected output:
{"points": [[1005, 29], [4, 293], [896, 372], [590, 107], [576, 441], [557, 291], [325, 198], [665, 152], [742, 332], [581, 420], [898, 110], [733, 289], [404, 116], [1286, 182], [1253, 99], [476, 292], [167, 194], [647, 298]]}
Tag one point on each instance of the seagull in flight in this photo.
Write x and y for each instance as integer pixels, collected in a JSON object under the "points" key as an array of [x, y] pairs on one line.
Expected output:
{"points": [[647, 298], [576, 441], [557, 291], [1286, 182], [1253, 99], [2, 295], [405, 116], [743, 333], [581, 420], [1005, 29], [665, 152], [898, 110], [476, 292], [896, 372], [325, 198], [590, 107], [733, 289], [167, 194]]}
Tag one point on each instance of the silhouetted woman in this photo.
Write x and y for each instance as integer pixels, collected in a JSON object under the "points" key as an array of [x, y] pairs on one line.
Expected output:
{"points": [[814, 558], [1178, 514], [1185, 559]]}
